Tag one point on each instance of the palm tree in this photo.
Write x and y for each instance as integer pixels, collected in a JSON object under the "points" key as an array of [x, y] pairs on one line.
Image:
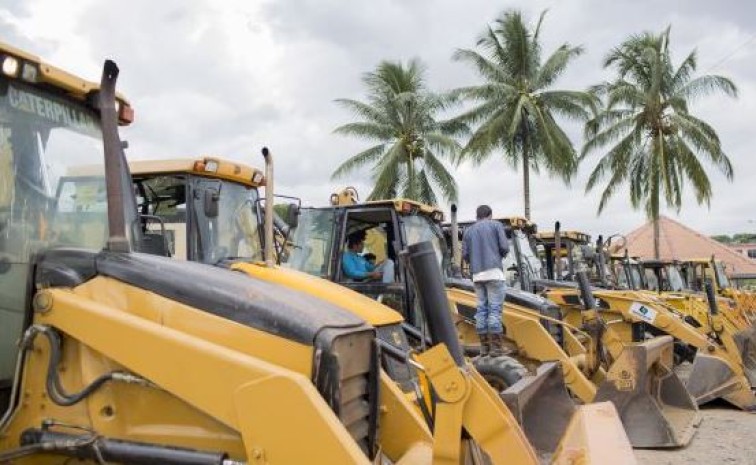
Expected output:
{"points": [[655, 144], [515, 106], [400, 115]]}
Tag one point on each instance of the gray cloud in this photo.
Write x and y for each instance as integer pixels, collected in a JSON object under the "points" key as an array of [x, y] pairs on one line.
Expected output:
{"points": [[229, 79]]}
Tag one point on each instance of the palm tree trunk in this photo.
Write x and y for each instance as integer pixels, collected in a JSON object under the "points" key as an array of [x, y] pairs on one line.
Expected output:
{"points": [[655, 215], [526, 173], [655, 188], [411, 178], [656, 237]]}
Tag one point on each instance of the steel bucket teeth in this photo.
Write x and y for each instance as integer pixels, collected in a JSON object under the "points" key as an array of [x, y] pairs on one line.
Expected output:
{"points": [[653, 404], [711, 378], [541, 405]]}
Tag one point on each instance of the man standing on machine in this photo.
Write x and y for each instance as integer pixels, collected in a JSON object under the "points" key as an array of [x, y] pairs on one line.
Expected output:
{"points": [[484, 246]]}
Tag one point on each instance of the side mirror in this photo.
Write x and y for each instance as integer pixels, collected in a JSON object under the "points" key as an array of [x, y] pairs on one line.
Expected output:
{"points": [[211, 202], [292, 215]]}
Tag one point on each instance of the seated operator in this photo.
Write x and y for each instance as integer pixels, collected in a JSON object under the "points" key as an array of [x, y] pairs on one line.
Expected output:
{"points": [[358, 268]]}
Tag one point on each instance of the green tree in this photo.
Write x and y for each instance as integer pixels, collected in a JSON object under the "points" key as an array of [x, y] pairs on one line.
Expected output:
{"points": [[401, 116], [723, 238], [743, 238], [655, 143], [515, 106]]}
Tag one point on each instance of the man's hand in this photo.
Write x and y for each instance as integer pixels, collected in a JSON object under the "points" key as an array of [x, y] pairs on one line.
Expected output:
{"points": [[375, 275]]}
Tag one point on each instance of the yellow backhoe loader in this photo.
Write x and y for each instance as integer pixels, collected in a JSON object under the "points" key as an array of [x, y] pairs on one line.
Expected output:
{"points": [[669, 280], [718, 368], [665, 278], [715, 316], [655, 408], [318, 244], [111, 355], [131, 358], [209, 210], [698, 271]]}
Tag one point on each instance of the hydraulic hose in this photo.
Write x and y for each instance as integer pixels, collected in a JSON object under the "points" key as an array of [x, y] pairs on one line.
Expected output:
{"points": [[104, 450], [54, 387]]}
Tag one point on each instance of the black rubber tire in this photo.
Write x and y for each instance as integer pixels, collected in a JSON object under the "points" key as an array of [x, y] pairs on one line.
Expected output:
{"points": [[501, 372]]}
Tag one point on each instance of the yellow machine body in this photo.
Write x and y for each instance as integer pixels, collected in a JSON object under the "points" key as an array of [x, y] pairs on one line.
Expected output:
{"points": [[123, 357], [718, 370], [726, 324], [495, 432]]}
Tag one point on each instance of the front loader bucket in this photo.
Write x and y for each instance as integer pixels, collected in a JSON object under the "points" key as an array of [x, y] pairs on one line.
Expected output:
{"points": [[746, 342], [711, 378], [541, 405], [654, 406], [594, 436]]}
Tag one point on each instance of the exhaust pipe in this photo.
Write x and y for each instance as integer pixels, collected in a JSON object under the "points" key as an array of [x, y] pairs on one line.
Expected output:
{"points": [[557, 251], [589, 301], [429, 285], [124, 232], [601, 262], [711, 299], [456, 252], [268, 226]]}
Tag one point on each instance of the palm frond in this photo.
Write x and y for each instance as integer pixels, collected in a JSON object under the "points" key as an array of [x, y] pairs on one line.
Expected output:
{"points": [[369, 131], [387, 172], [555, 65], [661, 145], [703, 86], [359, 160], [440, 176]]}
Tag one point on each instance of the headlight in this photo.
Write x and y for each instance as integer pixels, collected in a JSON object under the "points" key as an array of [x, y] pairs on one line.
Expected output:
{"points": [[10, 66]]}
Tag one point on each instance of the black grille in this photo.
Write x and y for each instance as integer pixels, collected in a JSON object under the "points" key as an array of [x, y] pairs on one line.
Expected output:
{"points": [[347, 377], [398, 370]]}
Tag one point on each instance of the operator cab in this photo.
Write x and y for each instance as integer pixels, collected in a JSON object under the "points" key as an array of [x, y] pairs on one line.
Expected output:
{"points": [[521, 265], [49, 128], [321, 240], [205, 208], [663, 276]]}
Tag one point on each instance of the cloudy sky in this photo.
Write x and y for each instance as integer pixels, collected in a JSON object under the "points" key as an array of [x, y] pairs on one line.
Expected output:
{"points": [[229, 77]]}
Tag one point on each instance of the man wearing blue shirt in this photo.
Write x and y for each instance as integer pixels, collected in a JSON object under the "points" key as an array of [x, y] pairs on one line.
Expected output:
{"points": [[356, 267], [484, 246]]}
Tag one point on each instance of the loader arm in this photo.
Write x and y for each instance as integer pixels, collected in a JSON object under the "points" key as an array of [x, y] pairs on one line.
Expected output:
{"points": [[717, 370], [232, 382]]}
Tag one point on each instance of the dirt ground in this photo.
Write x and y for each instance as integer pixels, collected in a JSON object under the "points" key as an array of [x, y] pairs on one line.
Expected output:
{"points": [[726, 436]]}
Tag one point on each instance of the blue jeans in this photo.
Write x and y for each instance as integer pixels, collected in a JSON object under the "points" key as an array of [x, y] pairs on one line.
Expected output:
{"points": [[490, 296]]}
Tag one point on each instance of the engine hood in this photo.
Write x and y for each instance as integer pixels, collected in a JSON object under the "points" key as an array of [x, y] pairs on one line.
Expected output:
{"points": [[361, 306]]}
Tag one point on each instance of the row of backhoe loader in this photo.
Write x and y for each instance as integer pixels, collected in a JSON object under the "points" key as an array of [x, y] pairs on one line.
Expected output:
{"points": [[715, 333], [152, 318]]}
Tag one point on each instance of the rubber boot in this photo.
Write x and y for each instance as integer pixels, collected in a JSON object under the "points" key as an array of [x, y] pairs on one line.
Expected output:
{"points": [[496, 340], [485, 344]]}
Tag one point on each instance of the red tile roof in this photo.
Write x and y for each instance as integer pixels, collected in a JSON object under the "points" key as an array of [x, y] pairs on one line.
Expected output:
{"points": [[679, 242]]}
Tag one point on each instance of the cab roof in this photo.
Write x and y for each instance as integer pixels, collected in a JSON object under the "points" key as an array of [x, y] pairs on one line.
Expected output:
{"points": [[45, 73], [206, 166], [698, 261], [652, 262], [401, 205], [516, 221], [576, 236]]}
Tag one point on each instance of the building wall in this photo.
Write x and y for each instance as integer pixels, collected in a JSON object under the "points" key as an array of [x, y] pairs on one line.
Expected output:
{"points": [[747, 250]]}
